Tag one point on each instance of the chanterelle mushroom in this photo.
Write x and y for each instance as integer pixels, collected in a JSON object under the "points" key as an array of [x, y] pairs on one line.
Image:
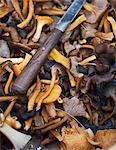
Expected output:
{"points": [[41, 21]]}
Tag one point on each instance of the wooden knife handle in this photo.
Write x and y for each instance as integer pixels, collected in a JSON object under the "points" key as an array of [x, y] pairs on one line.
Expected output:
{"points": [[29, 73]]}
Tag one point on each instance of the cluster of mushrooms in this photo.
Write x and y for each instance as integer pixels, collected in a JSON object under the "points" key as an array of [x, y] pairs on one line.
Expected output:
{"points": [[72, 101]]}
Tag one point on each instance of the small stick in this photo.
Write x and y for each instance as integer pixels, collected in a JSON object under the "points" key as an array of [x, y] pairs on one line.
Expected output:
{"points": [[7, 98]]}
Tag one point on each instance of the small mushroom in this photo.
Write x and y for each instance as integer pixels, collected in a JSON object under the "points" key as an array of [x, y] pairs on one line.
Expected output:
{"points": [[78, 79], [105, 36], [90, 7], [41, 21], [88, 30], [13, 60], [77, 22], [40, 100], [87, 60], [29, 17], [60, 58], [107, 26], [9, 108], [28, 124], [12, 121], [16, 6], [34, 95]]}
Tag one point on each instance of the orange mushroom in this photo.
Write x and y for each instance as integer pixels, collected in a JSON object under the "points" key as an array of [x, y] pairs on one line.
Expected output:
{"points": [[41, 21]]}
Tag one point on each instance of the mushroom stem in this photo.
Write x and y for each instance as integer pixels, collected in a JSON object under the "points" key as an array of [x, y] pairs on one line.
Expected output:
{"points": [[12, 121], [25, 7], [54, 73], [106, 26], [9, 79], [85, 61], [28, 124], [17, 8], [47, 124], [57, 135], [29, 17], [90, 7], [105, 36], [60, 4], [34, 95], [13, 60], [53, 12], [78, 79], [31, 89], [45, 81], [102, 21], [113, 23], [54, 125], [9, 108], [71, 78], [8, 98], [77, 22]]}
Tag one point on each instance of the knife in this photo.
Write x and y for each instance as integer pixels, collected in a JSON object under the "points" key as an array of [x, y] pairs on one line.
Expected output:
{"points": [[20, 140], [24, 80]]}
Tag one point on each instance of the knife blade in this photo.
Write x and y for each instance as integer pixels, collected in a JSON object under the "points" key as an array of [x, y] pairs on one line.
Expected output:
{"points": [[20, 140], [25, 79], [70, 15]]}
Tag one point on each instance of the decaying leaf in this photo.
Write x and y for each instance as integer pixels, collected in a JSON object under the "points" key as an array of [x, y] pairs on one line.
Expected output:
{"points": [[106, 138], [74, 107], [75, 138]]}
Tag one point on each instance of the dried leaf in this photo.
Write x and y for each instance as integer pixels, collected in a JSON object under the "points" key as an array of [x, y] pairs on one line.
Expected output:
{"points": [[74, 106]]}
